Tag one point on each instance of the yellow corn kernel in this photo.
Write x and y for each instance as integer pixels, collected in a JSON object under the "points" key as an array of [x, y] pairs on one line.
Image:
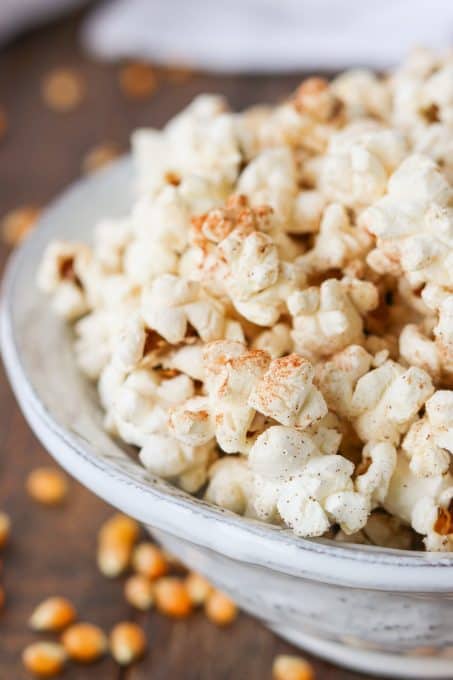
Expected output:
{"points": [[113, 558], [137, 80], [84, 642], [148, 560], [139, 592], [44, 659], [99, 156], [119, 528], [292, 668], [18, 223], [127, 642], [53, 614], [220, 609], [198, 588], [172, 598], [63, 89], [5, 528], [47, 485]]}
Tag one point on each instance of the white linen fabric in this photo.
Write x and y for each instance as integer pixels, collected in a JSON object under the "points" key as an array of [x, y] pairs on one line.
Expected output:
{"points": [[251, 35]]}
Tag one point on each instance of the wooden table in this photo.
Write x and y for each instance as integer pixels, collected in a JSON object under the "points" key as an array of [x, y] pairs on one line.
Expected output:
{"points": [[53, 550]]}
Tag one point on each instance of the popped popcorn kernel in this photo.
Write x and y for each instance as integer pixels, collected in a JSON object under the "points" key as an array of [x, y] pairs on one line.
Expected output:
{"points": [[271, 323]]}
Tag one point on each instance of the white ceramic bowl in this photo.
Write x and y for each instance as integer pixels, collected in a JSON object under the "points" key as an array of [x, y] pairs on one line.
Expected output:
{"points": [[381, 611]]}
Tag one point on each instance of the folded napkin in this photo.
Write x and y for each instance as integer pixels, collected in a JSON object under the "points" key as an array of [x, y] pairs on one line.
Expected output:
{"points": [[268, 35], [250, 35]]}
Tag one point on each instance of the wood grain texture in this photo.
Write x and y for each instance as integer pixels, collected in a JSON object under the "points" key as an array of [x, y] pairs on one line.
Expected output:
{"points": [[53, 550]]}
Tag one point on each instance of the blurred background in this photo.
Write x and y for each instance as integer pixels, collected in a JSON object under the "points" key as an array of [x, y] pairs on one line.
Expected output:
{"points": [[75, 79]]}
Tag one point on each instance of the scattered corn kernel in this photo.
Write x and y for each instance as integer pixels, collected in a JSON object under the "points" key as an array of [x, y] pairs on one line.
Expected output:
{"points": [[99, 157], [119, 528], [5, 529], [198, 588], [220, 609], [172, 597], [44, 659], [113, 558], [3, 123], [63, 90], [84, 642], [47, 485], [116, 540], [139, 592], [148, 560], [18, 223], [178, 73], [53, 614], [292, 668], [137, 80], [127, 643]]}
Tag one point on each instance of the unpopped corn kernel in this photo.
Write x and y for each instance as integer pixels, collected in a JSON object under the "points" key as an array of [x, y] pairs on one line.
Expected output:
{"points": [[149, 560], [287, 667], [44, 659], [84, 642], [172, 597], [139, 592], [220, 609], [127, 642], [47, 485], [53, 614], [5, 529]]}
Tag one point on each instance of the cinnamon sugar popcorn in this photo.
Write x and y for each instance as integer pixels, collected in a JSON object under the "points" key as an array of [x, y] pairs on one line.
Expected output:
{"points": [[272, 323]]}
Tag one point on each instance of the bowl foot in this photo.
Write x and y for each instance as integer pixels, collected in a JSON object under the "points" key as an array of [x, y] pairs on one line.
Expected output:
{"points": [[381, 664]]}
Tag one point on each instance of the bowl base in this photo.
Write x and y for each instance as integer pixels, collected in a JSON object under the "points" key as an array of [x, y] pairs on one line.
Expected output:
{"points": [[381, 664]]}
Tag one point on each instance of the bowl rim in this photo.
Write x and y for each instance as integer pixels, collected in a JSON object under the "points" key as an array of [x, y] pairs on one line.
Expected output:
{"points": [[268, 545]]}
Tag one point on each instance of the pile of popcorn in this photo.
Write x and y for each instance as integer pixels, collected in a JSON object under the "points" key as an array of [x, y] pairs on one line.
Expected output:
{"points": [[272, 324]]}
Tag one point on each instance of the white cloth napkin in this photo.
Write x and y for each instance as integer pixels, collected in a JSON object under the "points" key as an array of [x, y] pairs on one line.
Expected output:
{"points": [[269, 35], [251, 35]]}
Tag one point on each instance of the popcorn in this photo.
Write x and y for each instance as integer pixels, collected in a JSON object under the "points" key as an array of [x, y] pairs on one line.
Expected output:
{"points": [[421, 502], [413, 225], [171, 303], [363, 93], [387, 399], [271, 325], [329, 318], [191, 422], [63, 273], [358, 163], [231, 371], [337, 244], [429, 442], [200, 141], [380, 460], [183, 465], [111, 238], [381, 403], [231, 485], [286, 393], [270, 179], [276, 341]]}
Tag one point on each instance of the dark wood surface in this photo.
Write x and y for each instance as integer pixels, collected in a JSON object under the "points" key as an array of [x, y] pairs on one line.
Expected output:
{"points": [[53, 550]]}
